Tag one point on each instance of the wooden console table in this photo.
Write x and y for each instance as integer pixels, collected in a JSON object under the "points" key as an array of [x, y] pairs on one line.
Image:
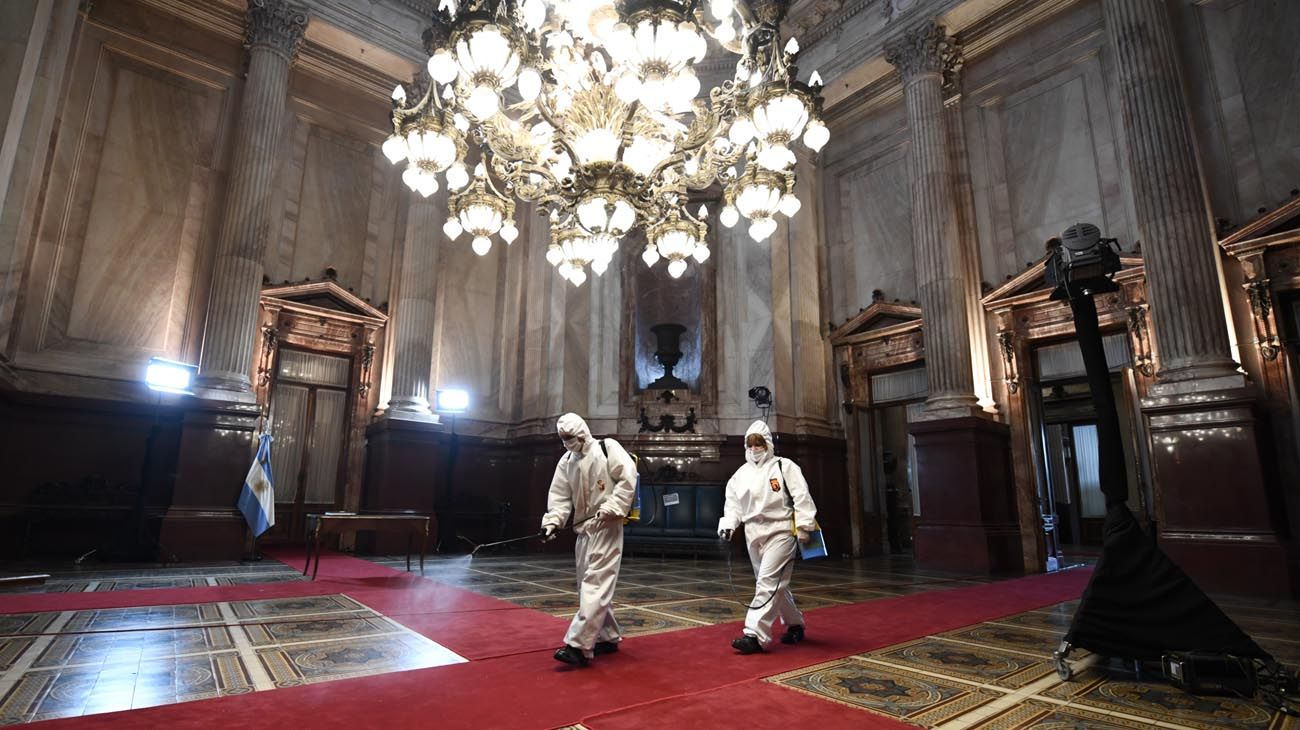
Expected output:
{"points": [[323, 524]]}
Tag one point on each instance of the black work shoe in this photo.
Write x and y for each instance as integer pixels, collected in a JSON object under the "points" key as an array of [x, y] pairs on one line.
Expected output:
{"points": [[793, 634], [605, 647], [747, 645], [570, 656]]}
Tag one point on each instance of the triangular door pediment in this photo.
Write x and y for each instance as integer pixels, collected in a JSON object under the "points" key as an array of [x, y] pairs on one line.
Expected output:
{"points": [[1033, 281], [327, 295], [879, 316]]}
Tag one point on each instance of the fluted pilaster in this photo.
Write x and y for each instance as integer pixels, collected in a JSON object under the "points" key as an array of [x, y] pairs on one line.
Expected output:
{"points": [[1172, 217], [273, 34], [922, 57], [413, 313]]}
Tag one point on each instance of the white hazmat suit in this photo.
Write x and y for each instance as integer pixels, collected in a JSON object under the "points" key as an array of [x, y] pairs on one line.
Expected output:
{"points": [[756, 497], [597, 491]]}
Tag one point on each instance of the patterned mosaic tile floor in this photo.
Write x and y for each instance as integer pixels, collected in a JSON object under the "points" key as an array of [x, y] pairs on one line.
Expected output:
{"points": [[999, 676], [136, 578], [995, 675], [72, 663]]}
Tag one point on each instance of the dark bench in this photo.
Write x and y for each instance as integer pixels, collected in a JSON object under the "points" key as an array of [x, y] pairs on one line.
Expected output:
{"points": [[689, 527]]}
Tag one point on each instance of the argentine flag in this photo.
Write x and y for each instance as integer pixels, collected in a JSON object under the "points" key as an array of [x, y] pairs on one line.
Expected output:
{"points": [[257, 499]]}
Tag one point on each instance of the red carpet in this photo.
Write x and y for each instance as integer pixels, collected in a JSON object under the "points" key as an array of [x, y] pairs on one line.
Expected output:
{"points": [[530, 690]]}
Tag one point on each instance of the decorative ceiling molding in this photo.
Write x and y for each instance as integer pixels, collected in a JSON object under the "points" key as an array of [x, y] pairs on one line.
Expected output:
{"points": [[978, 38]]}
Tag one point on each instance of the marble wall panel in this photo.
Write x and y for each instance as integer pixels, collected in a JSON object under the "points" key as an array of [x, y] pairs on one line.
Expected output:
{"points": [[745, 325], [1047, 147], [16, 17], [869, 234], [469, 326], [1243, 72], [1044, 137], [605, 293], [30, 113], [129, 194], [334, 207], [578, 342]]}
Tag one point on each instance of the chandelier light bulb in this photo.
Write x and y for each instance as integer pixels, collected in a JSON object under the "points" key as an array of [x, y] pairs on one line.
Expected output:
{"points": [[761, 228], [742, 130], [790, 205], [534, 12], [650, 255], [816, 136], [509, 233], [721, 9], [394, 148], [599, 266], [628, 88], [482, 102], [701, 253], [399, 94], [529, 83], [725, 33], [792, 46], [457, 177], [729, 216], [816, 79], [461, 122], [481, 245], [452, 228], [554, 255], [442, 66], [676, 268], [427, 184], [775, 157], [577, 276]]}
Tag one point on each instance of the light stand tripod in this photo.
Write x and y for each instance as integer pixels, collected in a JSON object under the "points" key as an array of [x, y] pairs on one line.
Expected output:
{"points": [[1139, 605]]}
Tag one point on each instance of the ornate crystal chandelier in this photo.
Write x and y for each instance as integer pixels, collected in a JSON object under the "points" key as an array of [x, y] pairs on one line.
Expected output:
{"points": [[591, 110]]}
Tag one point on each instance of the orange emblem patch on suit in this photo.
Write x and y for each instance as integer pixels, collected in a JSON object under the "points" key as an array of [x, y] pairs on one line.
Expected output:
{"points": [[776, 485]]}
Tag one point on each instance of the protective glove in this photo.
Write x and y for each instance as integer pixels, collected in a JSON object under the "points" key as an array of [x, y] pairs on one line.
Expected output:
{"points": [[724, 533], [804, 535], [606, 512], [549, 531]]}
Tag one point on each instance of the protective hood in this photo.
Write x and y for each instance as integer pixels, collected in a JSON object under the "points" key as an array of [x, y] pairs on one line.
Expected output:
{"points": [[760, 428], [571, 424]]}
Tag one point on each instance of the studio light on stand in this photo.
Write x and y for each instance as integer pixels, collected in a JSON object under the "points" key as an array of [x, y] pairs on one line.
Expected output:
{"points": [[1139, 606], [762, 398], [451, 402], [160, 376]]}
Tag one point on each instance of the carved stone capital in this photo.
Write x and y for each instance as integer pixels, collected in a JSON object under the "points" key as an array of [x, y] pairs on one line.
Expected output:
{"points": [[925, 49], [276, 26]]}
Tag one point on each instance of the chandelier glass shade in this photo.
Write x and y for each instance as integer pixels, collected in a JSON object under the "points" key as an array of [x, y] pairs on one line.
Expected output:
{"points": [[592, 111]]}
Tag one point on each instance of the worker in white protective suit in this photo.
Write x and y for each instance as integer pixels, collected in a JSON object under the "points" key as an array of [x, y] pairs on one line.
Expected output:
{"points": [[594, 483], [769, 496]]}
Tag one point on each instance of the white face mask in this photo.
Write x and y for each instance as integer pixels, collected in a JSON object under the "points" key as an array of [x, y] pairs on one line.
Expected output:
{"points": [[573, 443], [755, 454]]}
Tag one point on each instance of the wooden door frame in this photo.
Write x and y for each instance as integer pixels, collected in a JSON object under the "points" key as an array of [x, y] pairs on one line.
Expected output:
{"points": [[1025, 317], [325, 318], [882, 337]]}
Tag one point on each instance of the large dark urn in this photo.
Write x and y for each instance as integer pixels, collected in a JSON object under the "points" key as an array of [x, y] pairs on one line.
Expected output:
{"points": [[668, 352]]}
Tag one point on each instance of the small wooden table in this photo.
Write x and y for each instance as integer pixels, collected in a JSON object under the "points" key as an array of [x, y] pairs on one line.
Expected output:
{"points": [[323, 524]]}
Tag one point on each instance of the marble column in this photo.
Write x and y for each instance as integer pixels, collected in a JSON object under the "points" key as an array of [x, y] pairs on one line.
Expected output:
{"points": [[1172, 217], [922, 55], [963, 457], [273, 34], [964, 193], [1214, 504], [413, 312]]}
